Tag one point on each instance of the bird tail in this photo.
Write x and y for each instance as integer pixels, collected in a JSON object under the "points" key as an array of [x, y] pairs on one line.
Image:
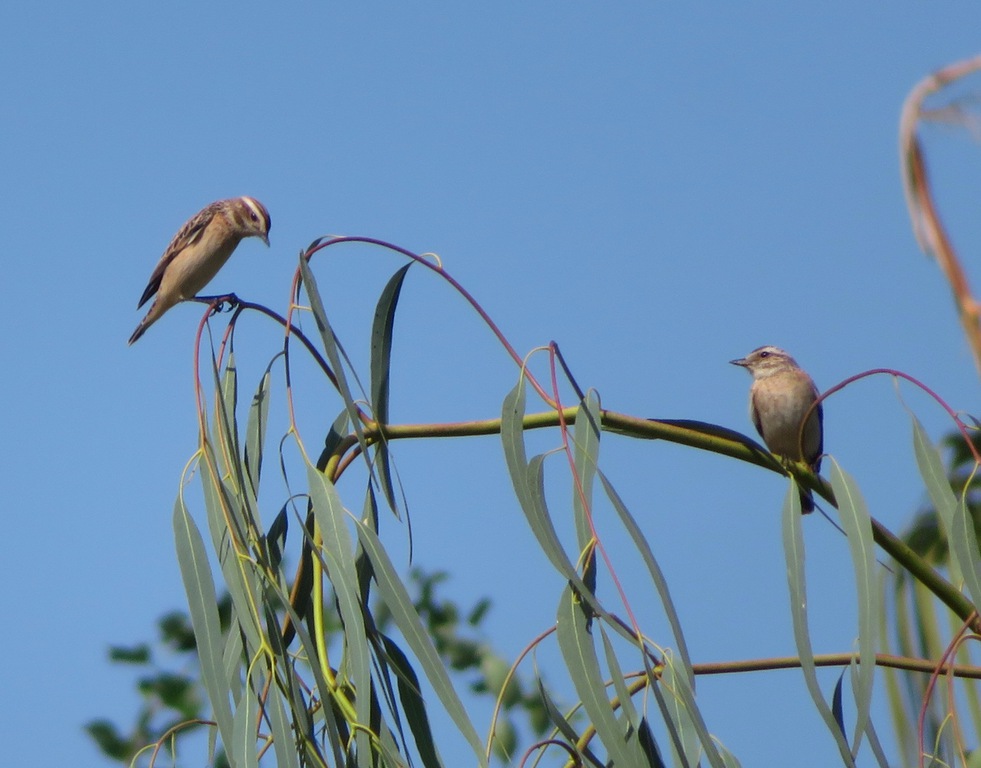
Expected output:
{"points": [[145, 323], [806, 501]]}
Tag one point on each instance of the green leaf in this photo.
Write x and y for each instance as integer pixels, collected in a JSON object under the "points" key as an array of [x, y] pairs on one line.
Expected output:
{"points": [[228, 522], [962, 538], [225, 516], [413, 704], [284, 744], [203, 606], [255, 430], [639, 727], [335, 436], [728, 759], [681, 716], [793, 545], [226, 403], [619, 683], [857, 524], [870, 735], [576, 645], [399, 603], [657, 575], [684, 713], [935, 479], [565, 727], [303, 723], [338, 556], [138, 654], [585, 459], [332, 348], [242, 750], [225, 430], [837, 709], [381, 361], [649, 744], [528, 481], [231, 659]]}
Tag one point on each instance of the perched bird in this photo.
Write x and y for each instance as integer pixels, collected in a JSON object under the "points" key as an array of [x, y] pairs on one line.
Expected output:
{"points": [[778, 399], [198, 251]]}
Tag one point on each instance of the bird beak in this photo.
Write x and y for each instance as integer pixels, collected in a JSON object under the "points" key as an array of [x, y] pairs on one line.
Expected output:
{"points": [[265, 239], [741, 361]]}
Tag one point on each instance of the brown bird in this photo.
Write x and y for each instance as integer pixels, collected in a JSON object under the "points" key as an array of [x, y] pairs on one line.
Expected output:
{"points": [[198, 251], [780, 396]]}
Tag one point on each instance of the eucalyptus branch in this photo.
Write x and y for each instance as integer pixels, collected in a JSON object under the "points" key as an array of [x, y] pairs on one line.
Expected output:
{"points": [[716, 439], [910, 664]]}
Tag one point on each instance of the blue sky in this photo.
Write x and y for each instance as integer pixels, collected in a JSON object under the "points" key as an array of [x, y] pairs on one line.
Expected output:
{"points": [[658, 187]]}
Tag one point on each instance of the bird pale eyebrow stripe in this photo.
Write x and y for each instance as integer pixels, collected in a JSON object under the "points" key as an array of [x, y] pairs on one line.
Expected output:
{"points": [[257, 209]]}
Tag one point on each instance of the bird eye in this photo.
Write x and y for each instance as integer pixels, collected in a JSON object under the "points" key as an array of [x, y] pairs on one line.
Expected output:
{"points": [[764, 354], [254, 217]]}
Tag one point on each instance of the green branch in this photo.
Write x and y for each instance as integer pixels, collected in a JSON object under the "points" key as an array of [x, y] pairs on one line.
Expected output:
{"points": [[709, 437]]}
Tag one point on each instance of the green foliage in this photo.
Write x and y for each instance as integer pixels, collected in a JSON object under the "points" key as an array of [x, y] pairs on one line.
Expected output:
{"points": [[170, 694], [920, 628], [341, 661], [169, 681]]}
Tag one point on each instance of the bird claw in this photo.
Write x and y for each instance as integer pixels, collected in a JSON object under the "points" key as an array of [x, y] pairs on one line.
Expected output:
{"points": [[222, 303]]}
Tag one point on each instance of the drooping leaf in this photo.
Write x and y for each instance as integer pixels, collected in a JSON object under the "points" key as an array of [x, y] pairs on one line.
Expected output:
{"points": [[338, 555], [332, 347], [413, 705], [202, 603], [382, 333], [793, 544], [575, 642], [857, 524], [255, 430], [242, 751], [399, 603], [585, 454], [564, 727]]}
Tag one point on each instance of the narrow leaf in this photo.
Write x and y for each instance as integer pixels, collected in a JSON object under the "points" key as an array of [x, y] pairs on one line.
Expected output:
{"points": [[203, 606], [332, 347], [685, 714], [649, 744], [575, 643], [231, 659], [857, 524], [413, 705], [585, 454], [529, 486], [406, 618], [226, 401], [255, 430], [619, 683], [793, 543], [242, 751], [283, 742], [224, 509], [565, 727], [338, 554], [871, 736], [965, 561], [836, 706], [382, 332], [657, 575]]}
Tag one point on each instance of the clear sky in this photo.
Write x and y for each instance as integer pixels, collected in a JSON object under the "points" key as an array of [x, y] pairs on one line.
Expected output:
{"points": [[659, 187]]}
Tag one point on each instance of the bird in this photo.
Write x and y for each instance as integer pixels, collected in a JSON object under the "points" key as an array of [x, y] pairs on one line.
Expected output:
{"points": [[199, 249], [779, 398]]}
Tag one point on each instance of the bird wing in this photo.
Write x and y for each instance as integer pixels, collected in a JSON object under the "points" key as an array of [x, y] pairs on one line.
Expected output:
{"points": [[754, 414], [189, 234], [819, 415]]}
